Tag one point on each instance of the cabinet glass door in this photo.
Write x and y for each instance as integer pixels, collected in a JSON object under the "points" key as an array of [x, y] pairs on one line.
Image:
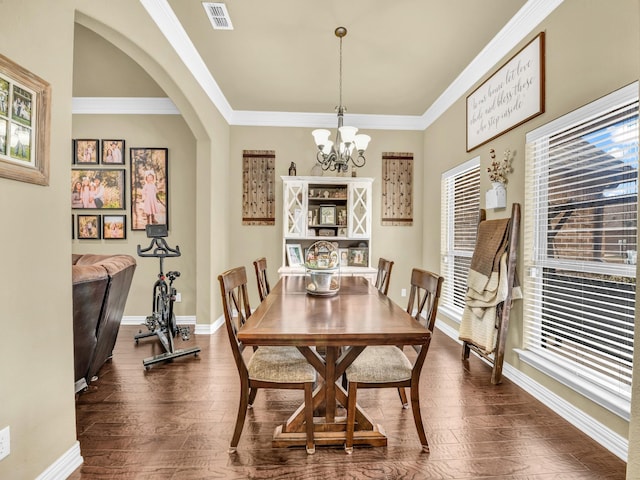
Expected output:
{"points": [[295, 208], [359, 214]]}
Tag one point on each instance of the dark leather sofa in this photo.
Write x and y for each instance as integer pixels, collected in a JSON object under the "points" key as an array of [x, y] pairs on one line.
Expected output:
{"points": [[100, 288]]}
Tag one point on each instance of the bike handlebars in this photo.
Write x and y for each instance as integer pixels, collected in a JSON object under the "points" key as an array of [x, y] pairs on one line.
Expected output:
{"points": [[160, 249]]}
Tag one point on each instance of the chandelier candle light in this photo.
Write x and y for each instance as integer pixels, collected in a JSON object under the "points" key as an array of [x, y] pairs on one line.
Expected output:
{"points": [[349, 145]]}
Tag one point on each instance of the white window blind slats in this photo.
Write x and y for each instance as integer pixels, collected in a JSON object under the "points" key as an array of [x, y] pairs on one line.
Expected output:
{"points": [[580, 241], [460, 204]]}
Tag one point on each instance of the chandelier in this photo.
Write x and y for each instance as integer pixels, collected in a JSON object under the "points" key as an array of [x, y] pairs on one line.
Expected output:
{"points": [[349, 146]]}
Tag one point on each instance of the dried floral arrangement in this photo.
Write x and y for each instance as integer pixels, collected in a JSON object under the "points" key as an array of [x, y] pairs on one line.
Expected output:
{"points": [[499, 170]]}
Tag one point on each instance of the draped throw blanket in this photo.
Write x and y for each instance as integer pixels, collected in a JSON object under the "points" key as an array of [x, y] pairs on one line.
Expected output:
{"points": [[487, 285]]}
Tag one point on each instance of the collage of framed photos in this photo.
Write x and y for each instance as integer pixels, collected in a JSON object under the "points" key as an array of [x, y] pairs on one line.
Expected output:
{"points": [[98, 183]]}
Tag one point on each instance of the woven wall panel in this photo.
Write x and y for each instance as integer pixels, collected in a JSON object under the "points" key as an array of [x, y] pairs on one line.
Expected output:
{"points": [[397, 189], [258, 187]]}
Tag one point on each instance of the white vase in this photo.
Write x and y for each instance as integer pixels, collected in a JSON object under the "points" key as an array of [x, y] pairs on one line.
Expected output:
{"points": [[497, 196]]}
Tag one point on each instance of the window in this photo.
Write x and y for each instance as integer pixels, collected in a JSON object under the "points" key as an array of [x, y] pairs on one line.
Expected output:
{"points": [[581, 248], [460, 204]]}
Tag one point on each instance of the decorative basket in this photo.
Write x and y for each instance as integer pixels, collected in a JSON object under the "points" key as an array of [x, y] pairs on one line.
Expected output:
{"points": [[322, 269]]}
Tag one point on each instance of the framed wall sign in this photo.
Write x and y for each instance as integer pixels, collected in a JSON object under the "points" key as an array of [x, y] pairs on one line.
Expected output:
{"points": [[25, 117], [510, 97]]}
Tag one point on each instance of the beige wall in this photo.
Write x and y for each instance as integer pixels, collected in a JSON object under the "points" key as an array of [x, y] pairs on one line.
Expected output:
{"points": [[36, 392], [36, 361], [162, 131], [579, 34], [401, 244], [138, 38], [36, 358], [92, 78], [102, 70]]}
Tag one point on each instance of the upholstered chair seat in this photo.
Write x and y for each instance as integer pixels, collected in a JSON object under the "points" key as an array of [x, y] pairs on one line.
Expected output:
{"points": [[380, 364], [280, 365]]}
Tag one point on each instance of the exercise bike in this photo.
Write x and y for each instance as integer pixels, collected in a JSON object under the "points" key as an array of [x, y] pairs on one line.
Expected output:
{"points": [[162, 322]]}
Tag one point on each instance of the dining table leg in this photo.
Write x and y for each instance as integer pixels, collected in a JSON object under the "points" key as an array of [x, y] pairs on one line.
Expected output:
{"points": [[329, 429]]}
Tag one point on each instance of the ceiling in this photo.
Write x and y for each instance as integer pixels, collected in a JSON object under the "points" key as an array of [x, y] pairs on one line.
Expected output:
{"points": [[399, 57]]}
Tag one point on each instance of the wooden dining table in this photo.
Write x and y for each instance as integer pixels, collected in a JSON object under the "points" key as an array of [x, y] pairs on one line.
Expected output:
{"points": [[330, 332]]}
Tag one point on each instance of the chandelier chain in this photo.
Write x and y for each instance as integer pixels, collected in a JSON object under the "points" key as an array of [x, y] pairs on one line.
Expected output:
{"points": [[340, 83], [349, 146]]}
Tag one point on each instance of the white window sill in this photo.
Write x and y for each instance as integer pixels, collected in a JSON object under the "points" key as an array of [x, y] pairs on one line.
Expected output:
{"points": [[614, 403]]}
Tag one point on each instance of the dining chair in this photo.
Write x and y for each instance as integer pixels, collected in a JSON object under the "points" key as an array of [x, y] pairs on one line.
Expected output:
{"points": [[268, 367], [384, 275], [260, 265], [386, 366]]}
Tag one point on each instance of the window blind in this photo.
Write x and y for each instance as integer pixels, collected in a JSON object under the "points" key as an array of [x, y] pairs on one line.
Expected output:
{"points": [[460, 204], [580, 242]]}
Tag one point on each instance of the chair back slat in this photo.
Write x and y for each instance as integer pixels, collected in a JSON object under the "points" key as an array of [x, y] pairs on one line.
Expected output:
{"points": [[236, 307], [384, 275], [424, 296], [260, 266]]}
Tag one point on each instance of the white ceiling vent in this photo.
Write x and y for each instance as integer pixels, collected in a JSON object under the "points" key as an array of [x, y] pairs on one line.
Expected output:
{"points": [[218, 14]]}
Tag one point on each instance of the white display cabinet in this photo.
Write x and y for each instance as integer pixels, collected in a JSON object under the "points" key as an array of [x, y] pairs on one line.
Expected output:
{"points": [[335, 209]]}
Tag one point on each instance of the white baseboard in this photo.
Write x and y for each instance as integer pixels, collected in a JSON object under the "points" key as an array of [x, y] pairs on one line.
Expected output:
{"points": [[209, 329], [64, 466], [140, 319], [606, 437], [200, 329]]}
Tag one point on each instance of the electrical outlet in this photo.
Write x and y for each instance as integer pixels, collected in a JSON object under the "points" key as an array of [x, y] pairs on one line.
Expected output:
{"points": [[403, 292], [5, 442], [178, 297]]}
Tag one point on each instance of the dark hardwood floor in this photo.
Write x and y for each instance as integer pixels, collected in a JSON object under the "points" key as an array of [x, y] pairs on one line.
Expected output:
{"points": [[175, 422]]}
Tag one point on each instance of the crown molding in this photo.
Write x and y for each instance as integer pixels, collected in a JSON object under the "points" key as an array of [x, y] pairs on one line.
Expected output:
{"points": [[161, 13], [518, 28], [123, 106], [324, 120]]}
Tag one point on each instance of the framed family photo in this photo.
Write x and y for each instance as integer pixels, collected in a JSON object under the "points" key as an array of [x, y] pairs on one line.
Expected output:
{"points": [[358, 257], [25, 117], [149, 187], [97, 188], [327, 215], [114, 227], [343, 254], [294, 255], [113, 152], [88, 227], [86, 152]]}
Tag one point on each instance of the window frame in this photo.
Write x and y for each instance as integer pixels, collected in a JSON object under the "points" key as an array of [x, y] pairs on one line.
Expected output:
{"points": [[448, 251], [587, 381]]}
